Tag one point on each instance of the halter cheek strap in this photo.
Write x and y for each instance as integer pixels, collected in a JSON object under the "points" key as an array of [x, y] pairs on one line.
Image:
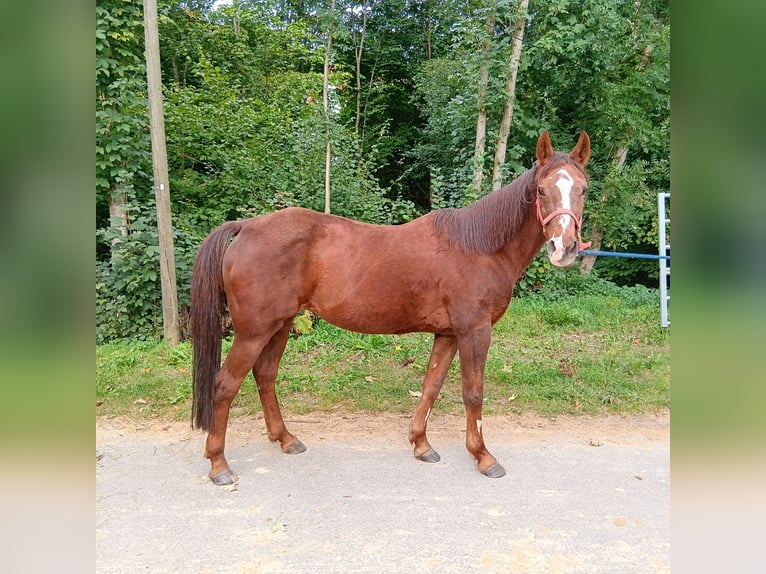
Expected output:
{"points": [[570, 213]]}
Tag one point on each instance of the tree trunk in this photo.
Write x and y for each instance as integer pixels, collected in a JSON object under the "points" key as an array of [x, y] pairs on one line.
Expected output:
{"points": [[236, 19], [326, 104], [161, 180], [481, 104], [510, 97], [118, 218], [358, 53], [427, 25]]}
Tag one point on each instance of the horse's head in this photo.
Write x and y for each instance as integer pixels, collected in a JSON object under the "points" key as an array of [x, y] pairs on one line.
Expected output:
{"points": [[561, 186]]}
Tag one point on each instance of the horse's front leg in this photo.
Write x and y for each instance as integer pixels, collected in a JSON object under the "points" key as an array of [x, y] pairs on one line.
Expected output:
{"points": [[443, 352], [473, 348]]}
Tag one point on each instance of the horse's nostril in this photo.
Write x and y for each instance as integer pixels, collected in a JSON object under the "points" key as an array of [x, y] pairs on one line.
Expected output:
{"points": [[551, 246], [575, 247]]}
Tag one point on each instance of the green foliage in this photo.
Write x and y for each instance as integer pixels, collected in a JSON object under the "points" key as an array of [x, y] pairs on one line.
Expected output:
{"points": [[128, 294], [122, 141], [128, 300], [303, 324]]}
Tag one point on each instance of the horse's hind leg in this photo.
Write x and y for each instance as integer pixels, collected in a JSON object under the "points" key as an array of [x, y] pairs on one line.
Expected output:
{"points": [[265, 373], [443, 352], [238, 363]]}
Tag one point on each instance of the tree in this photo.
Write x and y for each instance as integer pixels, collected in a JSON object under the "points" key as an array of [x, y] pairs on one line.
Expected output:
{"points": [[326, 106], [481, 99], [358, 40], [510, 96], [161, 179]]}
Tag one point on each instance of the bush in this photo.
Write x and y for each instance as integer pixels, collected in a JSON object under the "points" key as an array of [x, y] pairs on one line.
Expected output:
{"points": [[128, 292]]}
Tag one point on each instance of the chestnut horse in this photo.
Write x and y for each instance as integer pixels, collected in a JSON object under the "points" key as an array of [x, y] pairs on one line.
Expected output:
{"points": [[450, 272]]}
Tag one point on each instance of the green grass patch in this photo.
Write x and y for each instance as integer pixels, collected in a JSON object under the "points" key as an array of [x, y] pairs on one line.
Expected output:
{"points": [[552, 354]]}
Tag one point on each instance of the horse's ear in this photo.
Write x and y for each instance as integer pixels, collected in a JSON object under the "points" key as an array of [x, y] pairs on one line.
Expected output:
{"points": [[581, 151], [544, 148]]}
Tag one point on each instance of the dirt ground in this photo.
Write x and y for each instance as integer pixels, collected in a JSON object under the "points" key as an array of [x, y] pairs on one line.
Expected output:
{"points": [[373, 428]]}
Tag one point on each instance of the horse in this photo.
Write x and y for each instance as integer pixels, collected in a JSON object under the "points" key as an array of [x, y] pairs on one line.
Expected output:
{"points": [[450, 272]]}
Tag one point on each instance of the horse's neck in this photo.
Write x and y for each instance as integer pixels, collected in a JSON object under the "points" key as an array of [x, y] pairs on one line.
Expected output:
{"points": [[525, 243]]}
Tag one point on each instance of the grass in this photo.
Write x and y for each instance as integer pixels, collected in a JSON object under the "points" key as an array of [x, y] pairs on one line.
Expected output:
{"points": [[593, 353]]}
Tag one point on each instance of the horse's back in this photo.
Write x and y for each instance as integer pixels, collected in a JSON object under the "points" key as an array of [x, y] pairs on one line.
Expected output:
{"points": [[359, 276]]}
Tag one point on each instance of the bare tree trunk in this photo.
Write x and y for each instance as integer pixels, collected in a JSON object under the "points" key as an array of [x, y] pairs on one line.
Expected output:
{"points": [[358, 53], [510, 96], [326, 104], [236, 19], [161, 181], [427, 25], [176, 75], [367, 97], [118, 218], [481, 104]]}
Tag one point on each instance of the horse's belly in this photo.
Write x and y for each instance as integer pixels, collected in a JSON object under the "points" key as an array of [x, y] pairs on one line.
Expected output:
{"points": [[383, 314]]}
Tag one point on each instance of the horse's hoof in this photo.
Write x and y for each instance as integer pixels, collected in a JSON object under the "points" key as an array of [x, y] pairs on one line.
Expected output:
{"points": [[429, 456], [224, 478], [494, 471], [296, 448]]}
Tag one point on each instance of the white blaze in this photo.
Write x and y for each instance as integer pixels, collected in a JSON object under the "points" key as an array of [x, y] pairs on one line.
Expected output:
{"points": [[565, 183]]}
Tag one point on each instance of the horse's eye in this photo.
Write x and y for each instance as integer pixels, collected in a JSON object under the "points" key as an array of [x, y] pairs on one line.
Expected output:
{"points": [[584, 190], [540, 191]]}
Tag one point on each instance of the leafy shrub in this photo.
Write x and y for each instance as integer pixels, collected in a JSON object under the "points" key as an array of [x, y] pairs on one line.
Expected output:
{"points": [[128, 292]]}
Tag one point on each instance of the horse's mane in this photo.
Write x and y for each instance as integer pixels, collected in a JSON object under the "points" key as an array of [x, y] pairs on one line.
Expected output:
{"points": [[489, 223]]}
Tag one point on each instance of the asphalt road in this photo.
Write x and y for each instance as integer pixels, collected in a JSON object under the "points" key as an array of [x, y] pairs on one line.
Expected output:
{"points": [[580, 495]]}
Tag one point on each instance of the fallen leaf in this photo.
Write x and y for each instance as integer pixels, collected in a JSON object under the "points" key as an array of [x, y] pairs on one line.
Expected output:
{"points": [[595, 442], [139, 402], [618, 521], [408, 361], [415, 393], [566, 368], [99, 403], [512, 397], [369, 379]]}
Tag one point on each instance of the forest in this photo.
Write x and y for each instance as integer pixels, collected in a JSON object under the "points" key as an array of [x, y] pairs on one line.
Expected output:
{"points": [[378, 110]]}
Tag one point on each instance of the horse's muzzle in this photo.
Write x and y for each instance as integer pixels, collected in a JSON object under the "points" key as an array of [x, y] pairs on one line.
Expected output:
{"points": [[562, 255]]}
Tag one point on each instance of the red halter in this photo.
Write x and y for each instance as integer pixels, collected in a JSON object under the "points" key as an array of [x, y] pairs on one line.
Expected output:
{"points": [[554, 213]]}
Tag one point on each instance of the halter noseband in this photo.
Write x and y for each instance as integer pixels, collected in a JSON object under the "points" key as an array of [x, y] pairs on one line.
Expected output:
{"points": [[554, 213]]}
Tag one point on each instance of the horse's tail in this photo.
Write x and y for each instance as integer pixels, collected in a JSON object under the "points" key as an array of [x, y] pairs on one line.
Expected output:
{"points": [[207, 307]]}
